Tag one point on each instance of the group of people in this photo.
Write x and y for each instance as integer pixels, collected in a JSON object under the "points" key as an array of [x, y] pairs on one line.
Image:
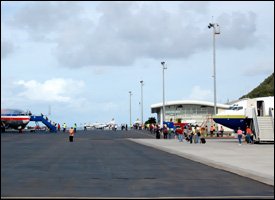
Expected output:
{"points": [[189, 133], [247, 134], [196, 134], [124, 126], [64, 126]]}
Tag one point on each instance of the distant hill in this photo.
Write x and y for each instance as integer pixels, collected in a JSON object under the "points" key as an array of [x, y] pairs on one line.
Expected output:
{"points": [[265, 89]]}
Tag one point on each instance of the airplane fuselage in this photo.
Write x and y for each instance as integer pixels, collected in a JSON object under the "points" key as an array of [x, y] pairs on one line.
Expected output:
{"points": [[14, 119]]}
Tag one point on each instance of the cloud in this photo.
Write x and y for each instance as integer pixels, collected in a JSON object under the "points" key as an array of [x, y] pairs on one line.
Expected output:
{"points": [[53, 90], [41, 19], [122, 32], [128, 31], [6, 48], [200, 94], [238, 30]]}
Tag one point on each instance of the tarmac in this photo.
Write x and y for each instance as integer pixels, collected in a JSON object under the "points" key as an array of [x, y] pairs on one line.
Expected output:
{"points": [[255, 161]]}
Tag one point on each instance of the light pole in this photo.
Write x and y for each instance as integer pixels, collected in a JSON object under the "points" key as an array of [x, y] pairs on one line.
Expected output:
{"points": [[216, 30], [141, 102], [130, 93], [163, 97]]}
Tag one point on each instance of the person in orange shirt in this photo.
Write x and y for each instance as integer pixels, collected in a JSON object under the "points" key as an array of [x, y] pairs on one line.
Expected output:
{"points": [[71, 134], [211, 131], [249, 134]]}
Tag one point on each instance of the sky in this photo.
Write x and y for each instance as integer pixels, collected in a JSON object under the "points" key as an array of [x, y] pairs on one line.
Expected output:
{"points": [[77, 61]]}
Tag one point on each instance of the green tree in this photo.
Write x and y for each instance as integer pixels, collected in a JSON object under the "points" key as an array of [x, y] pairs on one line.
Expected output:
{"points": [[151, 120]]}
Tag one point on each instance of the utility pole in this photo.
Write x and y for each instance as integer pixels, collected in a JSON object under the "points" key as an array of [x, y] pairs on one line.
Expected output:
{"points": [[130, 110], [141, 102], [163, 93], [216, 30]]}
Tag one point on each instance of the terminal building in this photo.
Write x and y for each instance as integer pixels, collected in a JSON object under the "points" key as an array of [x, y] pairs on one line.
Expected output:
{"points": [[187, 111]]}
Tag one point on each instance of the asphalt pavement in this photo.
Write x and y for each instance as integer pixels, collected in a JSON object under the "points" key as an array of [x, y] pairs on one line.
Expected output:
{"points": [[110, 164]]}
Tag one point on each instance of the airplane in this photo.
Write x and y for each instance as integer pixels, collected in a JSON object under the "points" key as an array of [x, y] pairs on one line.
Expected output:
{"points": [[98, 125], [240, 114], [14, 118]]}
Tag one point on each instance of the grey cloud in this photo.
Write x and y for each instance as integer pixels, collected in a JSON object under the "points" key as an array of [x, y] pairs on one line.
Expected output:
{"points": [[124, 34], [238, 30], [126, 31], [42, 18], [6, 48], [195, 7]]}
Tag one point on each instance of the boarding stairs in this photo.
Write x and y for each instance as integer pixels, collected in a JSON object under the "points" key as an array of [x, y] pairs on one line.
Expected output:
{"points": [[208, 121], [44, 121], [266, 129]]}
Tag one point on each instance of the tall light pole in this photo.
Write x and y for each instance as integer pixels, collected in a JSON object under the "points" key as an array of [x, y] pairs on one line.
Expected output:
{"points": [[163, 97], [130, 93], [141, 102], [216, 30]]}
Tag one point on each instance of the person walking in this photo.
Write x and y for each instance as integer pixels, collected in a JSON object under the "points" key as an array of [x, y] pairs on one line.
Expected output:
{"points": [[71, 134], [58, 127], [240, 135], [248, 135]]}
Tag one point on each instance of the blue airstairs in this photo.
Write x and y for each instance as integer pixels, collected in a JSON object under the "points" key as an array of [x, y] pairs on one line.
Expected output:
{"points": [[44, 121]]}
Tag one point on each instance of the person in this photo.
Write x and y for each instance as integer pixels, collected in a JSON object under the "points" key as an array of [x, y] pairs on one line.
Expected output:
{"points": [[165, 131], [64, 127], [157, 130], [198, 135], [71, 134], [58, 127], [75, 127], [248, 135], [240, 135], [169, 133], [126, 127], [191, 136], [211, 131], [85, 127], [206, 131], [221, 131], [202, 131], [179, 131], [151, 128]]}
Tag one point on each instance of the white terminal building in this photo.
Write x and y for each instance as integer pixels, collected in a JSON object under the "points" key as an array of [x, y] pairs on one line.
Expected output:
{"points": [[188, 111]]}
